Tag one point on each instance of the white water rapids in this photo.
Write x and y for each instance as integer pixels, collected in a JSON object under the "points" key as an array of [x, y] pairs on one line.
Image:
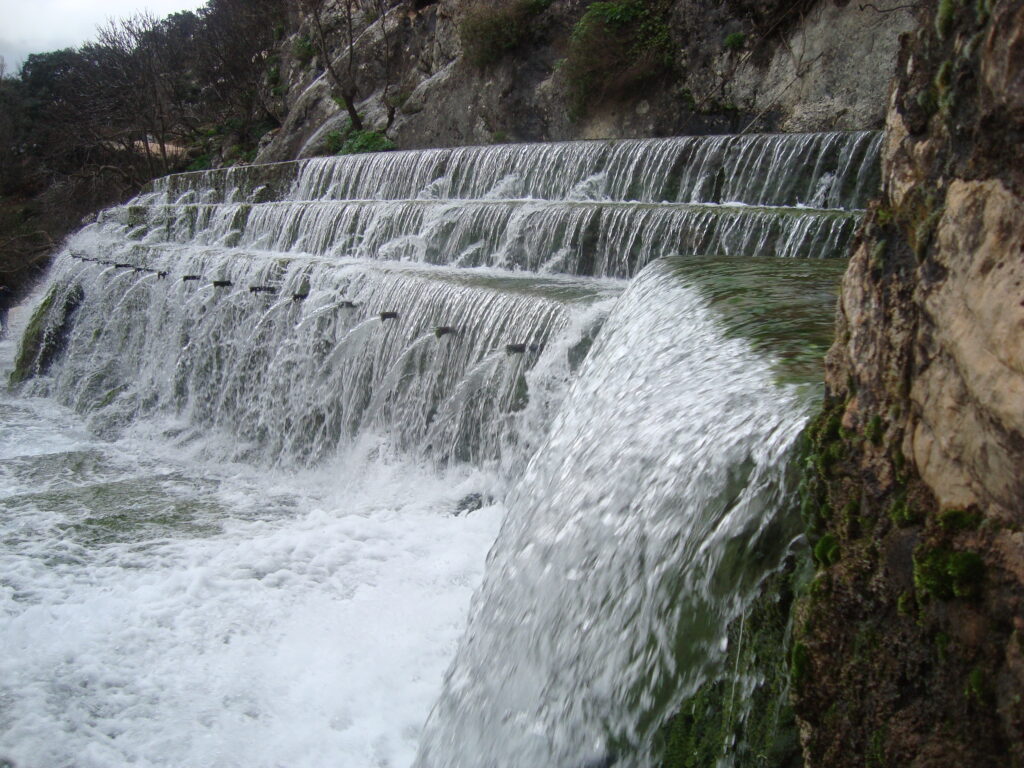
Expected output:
{"points": [[160, 609]]}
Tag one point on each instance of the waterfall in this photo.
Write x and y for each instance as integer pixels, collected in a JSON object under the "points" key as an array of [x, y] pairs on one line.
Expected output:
{"points": [[608, 347], [597, 579], [594, 208]]}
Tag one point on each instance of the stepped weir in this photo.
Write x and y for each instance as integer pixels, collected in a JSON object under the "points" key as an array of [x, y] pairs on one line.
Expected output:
{"points": [[606, 349]]}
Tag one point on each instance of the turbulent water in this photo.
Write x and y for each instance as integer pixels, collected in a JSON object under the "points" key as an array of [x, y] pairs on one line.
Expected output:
{"points": [[266, 423]]}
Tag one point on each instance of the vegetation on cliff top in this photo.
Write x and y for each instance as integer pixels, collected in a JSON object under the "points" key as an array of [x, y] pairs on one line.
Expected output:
{"points": [[81, 128]]}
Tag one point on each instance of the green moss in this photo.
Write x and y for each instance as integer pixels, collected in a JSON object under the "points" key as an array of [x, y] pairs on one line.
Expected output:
{"points": [[303, 50], [753, 724], [47, 333], [876, 748], [928, 100], [956, 520], [977, 687], [32, 340], [899, 461], [800, 664], [734, 41], [490, 31], [821, 447], [966, 570], [946, 97], [201, 163], [826, 550], [849, 518], [874, 430], [903, 514], [944, 17], [946, 574], [905, 604], [925, 229], [942, 647], [878, 256]]}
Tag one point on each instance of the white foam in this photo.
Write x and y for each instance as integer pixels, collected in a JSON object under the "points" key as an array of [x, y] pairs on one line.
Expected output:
{"points": [[231, 617]]}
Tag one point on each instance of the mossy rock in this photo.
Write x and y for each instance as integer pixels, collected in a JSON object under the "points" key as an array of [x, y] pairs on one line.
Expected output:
{"points": [[46, 336], [753, 728], [946, 574]]}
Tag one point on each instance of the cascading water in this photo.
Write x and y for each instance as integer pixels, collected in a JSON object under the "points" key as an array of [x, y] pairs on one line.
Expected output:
{"points": [[599, 578], [312, 390]]}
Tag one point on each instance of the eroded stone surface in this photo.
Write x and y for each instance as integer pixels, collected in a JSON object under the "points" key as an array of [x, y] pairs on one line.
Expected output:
{"points": [[827, 67], [969, 444], [913, 638]]}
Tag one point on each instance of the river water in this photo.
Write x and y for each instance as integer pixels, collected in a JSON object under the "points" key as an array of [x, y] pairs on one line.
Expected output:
{"points": [[160, 608]]}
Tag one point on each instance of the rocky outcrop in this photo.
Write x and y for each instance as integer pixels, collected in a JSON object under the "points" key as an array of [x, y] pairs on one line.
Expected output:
{"points": [[910, 642], [738, 65]]}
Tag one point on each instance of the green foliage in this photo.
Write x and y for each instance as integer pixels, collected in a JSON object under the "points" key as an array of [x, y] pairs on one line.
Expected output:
{"points": [[334, 141], [274, 74], [490, 31], [349, 142], [201, 163], [615, 48], [303, 50], [366, 141], [734, 41], [945, 574], [614, 14]]}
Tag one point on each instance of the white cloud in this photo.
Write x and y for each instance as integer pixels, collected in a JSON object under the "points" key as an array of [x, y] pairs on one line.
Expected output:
{"points": [[36, 26]]}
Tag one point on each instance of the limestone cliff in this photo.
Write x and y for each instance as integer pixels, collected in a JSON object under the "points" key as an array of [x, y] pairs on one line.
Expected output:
{"points": [[910, 643], [726, 67]]}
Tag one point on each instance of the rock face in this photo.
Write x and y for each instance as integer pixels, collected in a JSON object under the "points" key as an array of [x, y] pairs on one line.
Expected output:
{"points": [[910, 643], [762, 65]]}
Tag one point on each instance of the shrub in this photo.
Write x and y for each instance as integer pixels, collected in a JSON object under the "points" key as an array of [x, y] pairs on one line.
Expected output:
{"points": [[489, 31], [334, 141], [615, 47], [201, 163], [349, 142], [734, 41], [366, 141], [303, 50]]}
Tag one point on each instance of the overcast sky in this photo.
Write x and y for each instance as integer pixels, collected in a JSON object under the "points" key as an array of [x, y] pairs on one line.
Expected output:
{"points": [[37, 26]]}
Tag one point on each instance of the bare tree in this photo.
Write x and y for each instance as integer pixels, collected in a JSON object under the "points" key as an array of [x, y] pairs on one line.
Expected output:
{"points": [[344, 81]]}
